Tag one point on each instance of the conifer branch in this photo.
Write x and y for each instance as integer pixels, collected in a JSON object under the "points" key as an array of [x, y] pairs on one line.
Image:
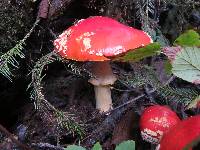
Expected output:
{"points": [[63, 120], [8, 60], [145, 75]]}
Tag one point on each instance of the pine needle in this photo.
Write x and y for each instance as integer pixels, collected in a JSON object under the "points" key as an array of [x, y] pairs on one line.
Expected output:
{"points": [[8, 60], [63, 120]]}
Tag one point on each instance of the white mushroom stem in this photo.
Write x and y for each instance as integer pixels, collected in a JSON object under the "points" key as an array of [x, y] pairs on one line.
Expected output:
{"points": [[103, 78], [103, 98]]}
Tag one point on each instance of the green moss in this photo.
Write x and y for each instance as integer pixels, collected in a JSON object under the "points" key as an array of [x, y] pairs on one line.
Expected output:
{"points": [[15, 20]]}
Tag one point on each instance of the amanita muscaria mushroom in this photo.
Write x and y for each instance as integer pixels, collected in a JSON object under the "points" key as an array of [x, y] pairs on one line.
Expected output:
{"points": [[98, 39], [155, 121], [181, 135]]}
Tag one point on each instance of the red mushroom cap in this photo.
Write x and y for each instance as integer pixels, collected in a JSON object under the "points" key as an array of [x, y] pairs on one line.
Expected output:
{"points": [[181, 135], [155, 121], [96, 38]]}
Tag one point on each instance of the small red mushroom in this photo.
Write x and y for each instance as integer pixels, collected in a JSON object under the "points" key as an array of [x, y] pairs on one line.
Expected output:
{"points": [[155, 121], [98, 39], [181, 135]]}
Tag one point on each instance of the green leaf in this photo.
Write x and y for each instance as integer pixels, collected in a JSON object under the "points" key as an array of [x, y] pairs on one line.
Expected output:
{"points": [[186, 64], [189, 38], [140, 53], [97, 146], [74, 147], [126, 145]]}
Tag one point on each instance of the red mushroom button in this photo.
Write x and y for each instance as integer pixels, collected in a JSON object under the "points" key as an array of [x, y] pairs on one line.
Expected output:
{"points": [[181, 135], [155, 121], [98, 39]]}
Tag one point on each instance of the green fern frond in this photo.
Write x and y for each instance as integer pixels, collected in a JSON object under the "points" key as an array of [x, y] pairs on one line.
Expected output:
{"points": [[144, 8], [147, 13], [178, 95], [63, 120], [145, 75], [8, 59], [142, 75]]}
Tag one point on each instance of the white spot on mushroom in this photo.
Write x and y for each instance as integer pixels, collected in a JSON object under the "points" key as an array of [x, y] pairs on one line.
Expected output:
{"points": [[162, 120], [114, 50], [85, 34], [99, 53], [66, 33], [150, 132], [57, 46], [86, 43], [151, 41], [88, 34], [65, 51], [78, 22], [61, 42], [91, 52], [151, 136]]}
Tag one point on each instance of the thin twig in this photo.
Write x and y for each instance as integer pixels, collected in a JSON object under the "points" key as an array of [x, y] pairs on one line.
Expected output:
{"points": [[10, 135], [130, 101], [121, 90]]}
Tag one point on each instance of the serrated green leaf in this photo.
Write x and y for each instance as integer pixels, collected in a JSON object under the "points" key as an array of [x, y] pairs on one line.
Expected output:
{"points": [[194, 103], [186, 64], [126, 145], [189, 38], [97, 146], [140, 53], [74, 147]]}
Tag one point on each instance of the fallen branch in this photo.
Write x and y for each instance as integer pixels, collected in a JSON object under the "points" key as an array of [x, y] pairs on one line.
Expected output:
{"points": [[105, 128]]}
